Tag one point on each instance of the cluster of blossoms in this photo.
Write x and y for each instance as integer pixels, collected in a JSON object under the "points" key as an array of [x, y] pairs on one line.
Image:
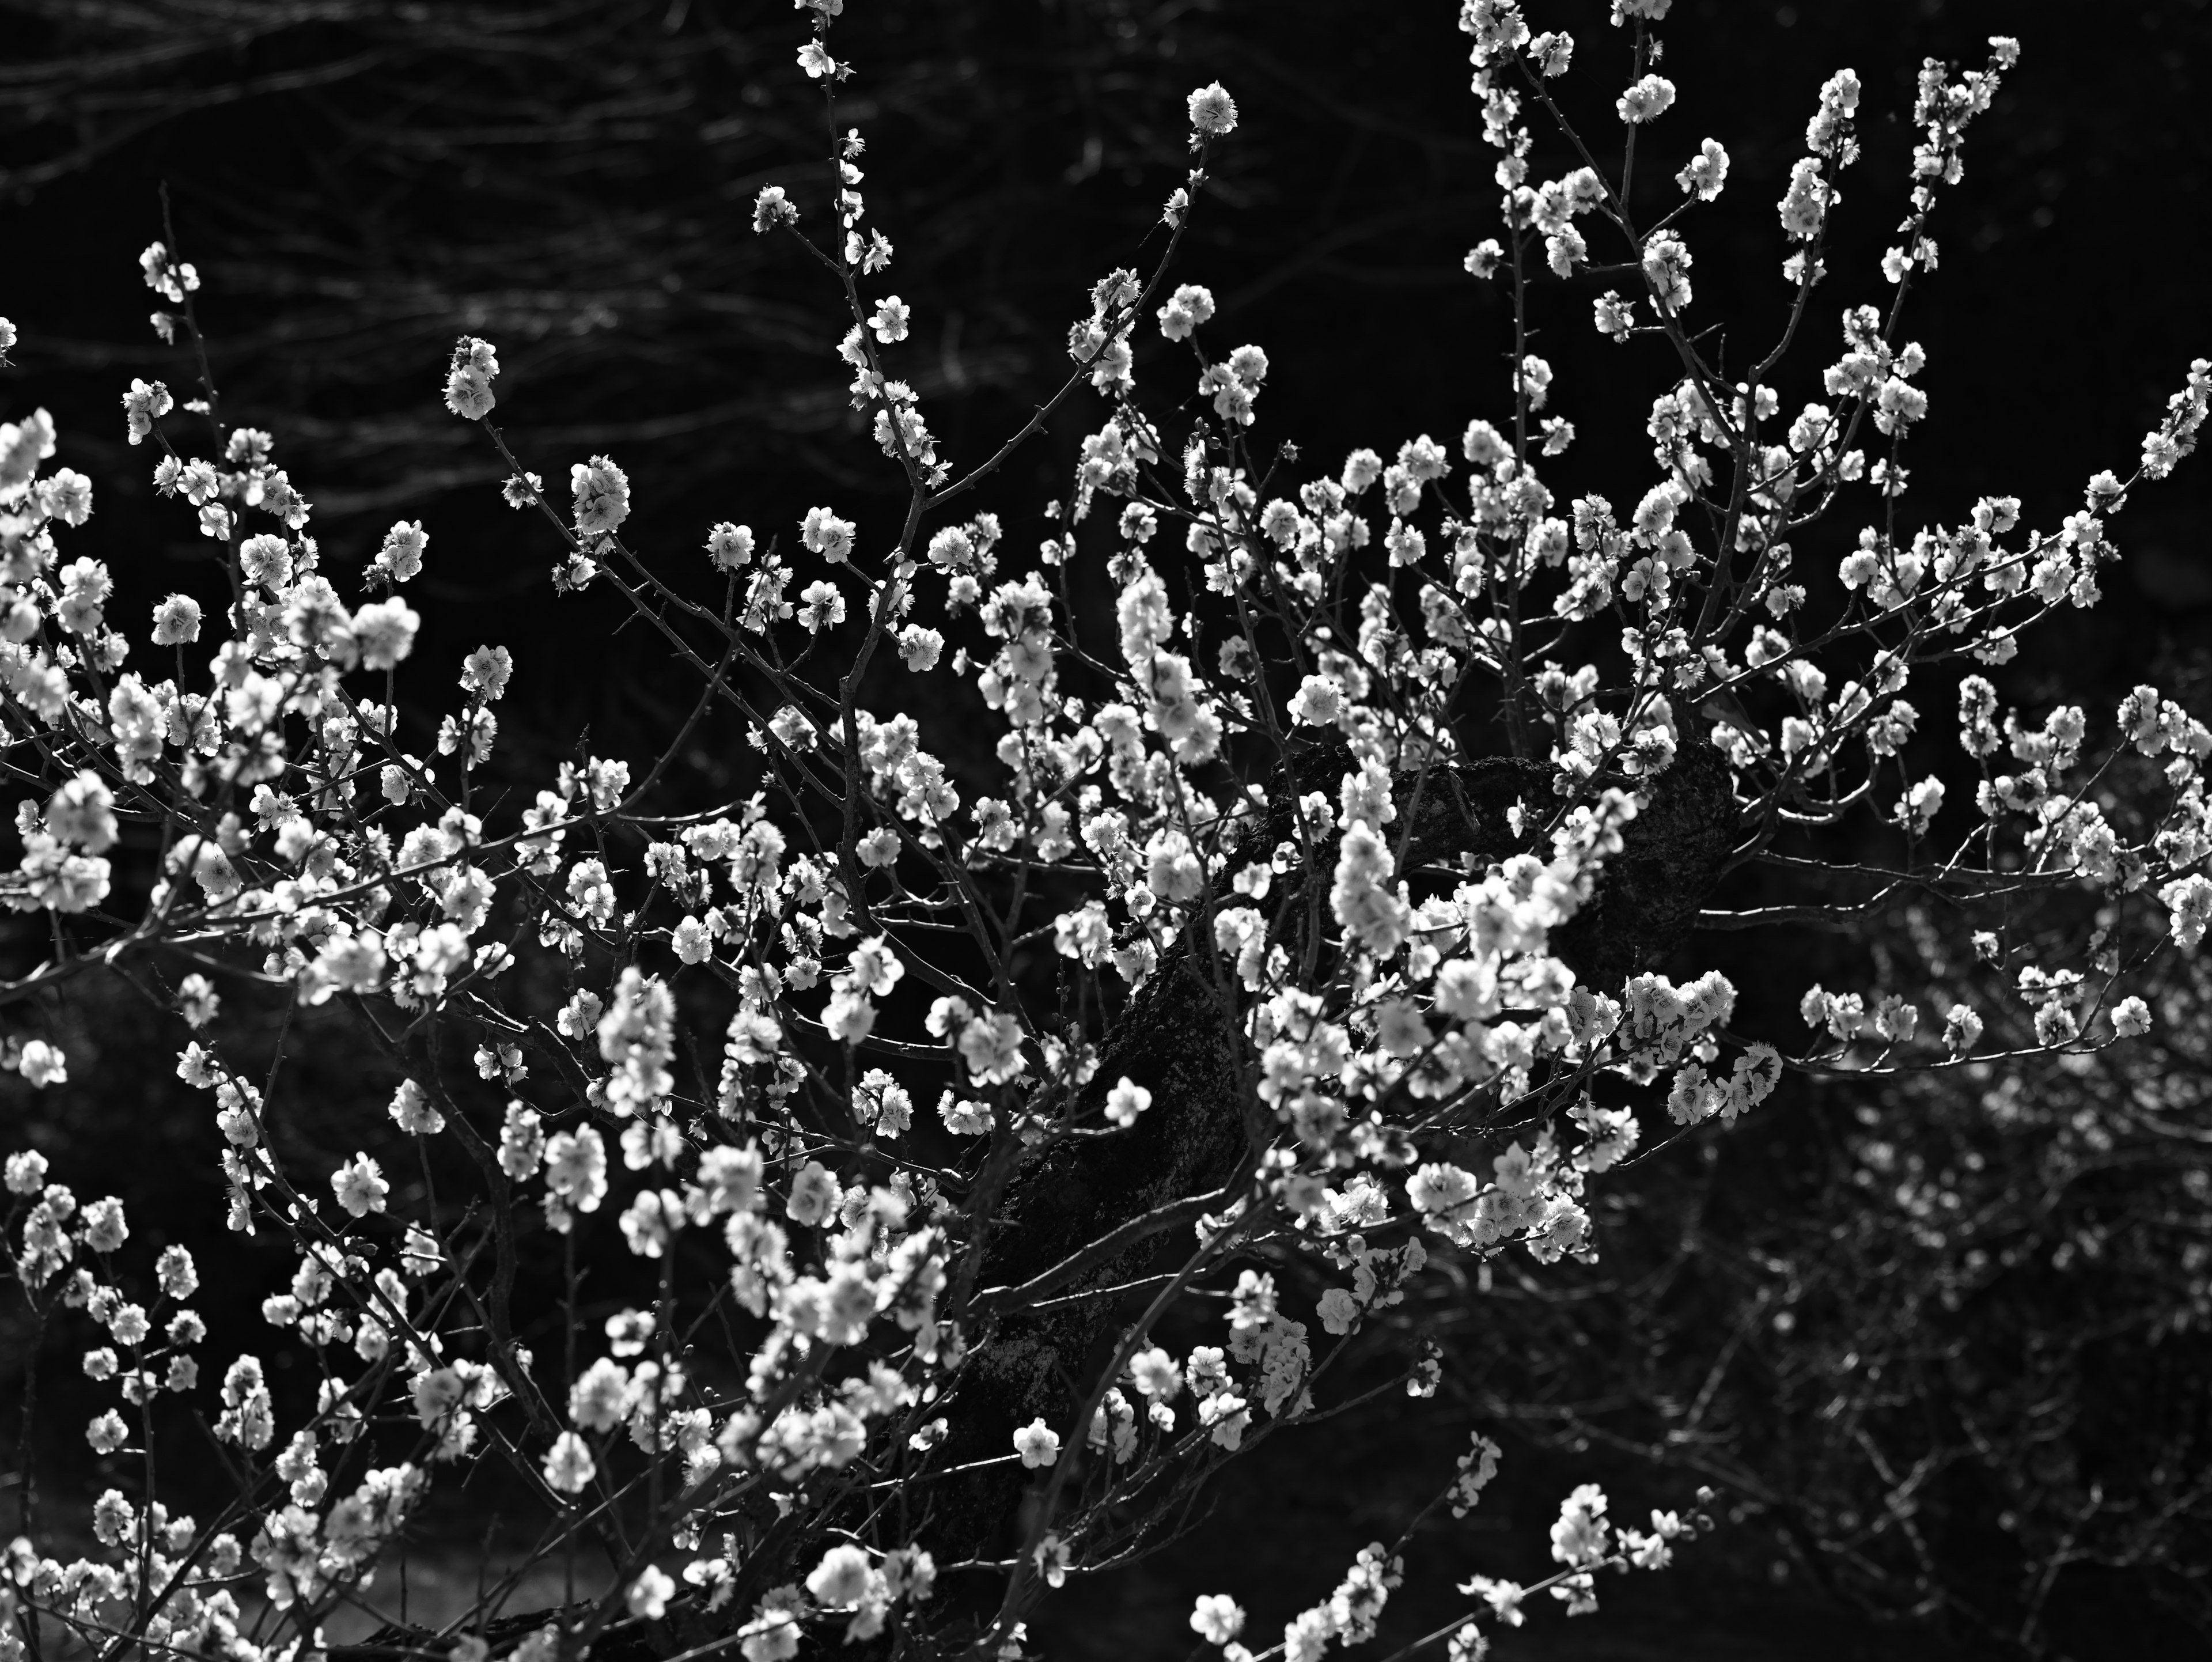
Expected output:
{"points": [[1253, 805]]}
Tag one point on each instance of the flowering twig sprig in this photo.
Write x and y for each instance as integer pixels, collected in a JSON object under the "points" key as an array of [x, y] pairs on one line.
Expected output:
{"points": [[1306, 903]]}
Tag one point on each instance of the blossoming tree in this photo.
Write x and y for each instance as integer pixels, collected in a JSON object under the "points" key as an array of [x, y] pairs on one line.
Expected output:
{"points": [[1316, 922]]}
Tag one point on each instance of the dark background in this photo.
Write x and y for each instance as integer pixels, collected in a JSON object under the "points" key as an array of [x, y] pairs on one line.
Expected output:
{"points": [[358, 183]]}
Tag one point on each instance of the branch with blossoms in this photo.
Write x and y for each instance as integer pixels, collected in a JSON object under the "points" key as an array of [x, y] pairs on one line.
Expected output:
{"points": [[1321, 905]]}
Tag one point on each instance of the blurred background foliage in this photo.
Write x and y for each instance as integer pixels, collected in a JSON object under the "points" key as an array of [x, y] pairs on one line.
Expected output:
{"points": [[1941, 1342]]}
